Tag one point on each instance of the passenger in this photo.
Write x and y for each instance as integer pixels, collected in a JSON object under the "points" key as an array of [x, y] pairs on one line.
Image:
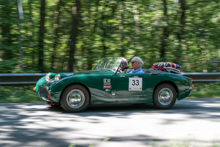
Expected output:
{"points": [[136, 63], [124, 66]]}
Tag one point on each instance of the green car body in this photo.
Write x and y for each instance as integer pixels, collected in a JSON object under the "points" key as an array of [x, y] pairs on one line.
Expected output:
{"points": [[111, 87]]}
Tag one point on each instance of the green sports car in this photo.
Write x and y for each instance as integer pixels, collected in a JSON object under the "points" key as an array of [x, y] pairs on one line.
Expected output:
{"points": [[105, 85]]}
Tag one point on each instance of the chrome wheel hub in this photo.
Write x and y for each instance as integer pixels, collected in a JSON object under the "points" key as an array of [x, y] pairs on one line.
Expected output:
{"points": [[75, 98], [165, 96]]}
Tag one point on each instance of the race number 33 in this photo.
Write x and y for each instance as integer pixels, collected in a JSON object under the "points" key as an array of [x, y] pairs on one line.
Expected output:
{"points": [[135, 84]]}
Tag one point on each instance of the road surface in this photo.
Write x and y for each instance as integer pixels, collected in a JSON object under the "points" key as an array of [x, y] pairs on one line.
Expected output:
{"points": [[194, 122]]}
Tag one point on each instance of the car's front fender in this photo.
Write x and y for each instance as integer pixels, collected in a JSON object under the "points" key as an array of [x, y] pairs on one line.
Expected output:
{"points": [[58, 87]]}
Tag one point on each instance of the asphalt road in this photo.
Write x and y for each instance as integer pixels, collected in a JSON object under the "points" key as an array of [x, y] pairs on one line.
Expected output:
{"points": [[191, 122]]}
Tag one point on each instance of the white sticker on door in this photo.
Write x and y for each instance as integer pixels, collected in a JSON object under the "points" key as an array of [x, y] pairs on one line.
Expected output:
{"points": [[135, 84]]}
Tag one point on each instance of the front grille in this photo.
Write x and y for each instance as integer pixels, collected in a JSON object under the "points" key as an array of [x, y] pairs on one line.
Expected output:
{"points": [[42, 91]]}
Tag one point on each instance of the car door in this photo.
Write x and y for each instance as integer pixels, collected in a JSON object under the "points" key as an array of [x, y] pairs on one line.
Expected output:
{"points": [[132, 87], [101, 88]]}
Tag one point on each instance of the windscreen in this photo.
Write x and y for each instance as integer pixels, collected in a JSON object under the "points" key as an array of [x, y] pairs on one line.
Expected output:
{"points": [[108, 63]]}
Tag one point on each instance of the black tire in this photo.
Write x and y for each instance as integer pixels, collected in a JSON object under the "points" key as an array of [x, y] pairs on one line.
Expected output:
{"points": [[75, 98], [165, 96]]}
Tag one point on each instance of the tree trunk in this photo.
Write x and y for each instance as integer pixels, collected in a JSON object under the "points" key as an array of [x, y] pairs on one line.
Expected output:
{"points": [[56, 35], [103, 42], [181, 29], [204, 60], [6, 27], [203, 47], [41, 36], [165, 32], [73, 34], [136, 19], [90, 59], [103, 28], [30, 33], [121, 28]]}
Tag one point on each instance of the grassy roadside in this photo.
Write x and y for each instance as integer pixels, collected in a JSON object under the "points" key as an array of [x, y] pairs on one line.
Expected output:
{"points": [[17, 94], [205, 90]]}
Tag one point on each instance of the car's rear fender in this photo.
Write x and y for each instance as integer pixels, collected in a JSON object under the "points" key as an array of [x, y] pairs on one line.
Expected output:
{"points": [[181, 84], [168, 82]]}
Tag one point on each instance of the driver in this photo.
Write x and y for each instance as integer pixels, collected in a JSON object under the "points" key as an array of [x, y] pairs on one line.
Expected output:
{"points": [[124, 66], [136, 63]]}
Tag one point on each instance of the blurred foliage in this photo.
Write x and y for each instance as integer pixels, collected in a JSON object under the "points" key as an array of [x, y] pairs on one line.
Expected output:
{"points": [[18, 94], [180, 31], [64, 35], [205, 90]]}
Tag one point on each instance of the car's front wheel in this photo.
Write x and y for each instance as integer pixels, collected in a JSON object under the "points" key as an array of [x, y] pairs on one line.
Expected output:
{"points": [[165, 96], [75, 98]]}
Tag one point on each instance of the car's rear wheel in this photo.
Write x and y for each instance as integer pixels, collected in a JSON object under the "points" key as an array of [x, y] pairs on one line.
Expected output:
{"points": [[165, 96], [75, 98]]}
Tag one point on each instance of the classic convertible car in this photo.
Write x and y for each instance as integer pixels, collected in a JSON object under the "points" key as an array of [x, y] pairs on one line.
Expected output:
{"points": [[105, 85]]}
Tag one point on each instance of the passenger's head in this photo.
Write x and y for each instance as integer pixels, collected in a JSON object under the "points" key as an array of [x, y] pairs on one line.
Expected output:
{"points": [[136, 62], [124, 63]]}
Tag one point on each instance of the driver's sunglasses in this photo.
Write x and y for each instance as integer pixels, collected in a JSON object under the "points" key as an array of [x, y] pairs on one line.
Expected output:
{"points": [[133, 62]]}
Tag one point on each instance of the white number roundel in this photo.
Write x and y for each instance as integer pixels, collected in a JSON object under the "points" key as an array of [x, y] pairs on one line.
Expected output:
{"points": [[135, 84]]}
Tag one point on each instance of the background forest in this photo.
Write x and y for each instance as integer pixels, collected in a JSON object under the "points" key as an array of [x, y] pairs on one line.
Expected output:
{"points": [[73, 35]]}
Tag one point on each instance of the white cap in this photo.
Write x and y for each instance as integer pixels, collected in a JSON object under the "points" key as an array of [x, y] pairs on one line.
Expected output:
{"points": [[137, 59]]}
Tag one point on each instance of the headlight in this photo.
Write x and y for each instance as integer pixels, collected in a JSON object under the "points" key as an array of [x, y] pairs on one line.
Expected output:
{"points": [[47, 77], [57, 77]]}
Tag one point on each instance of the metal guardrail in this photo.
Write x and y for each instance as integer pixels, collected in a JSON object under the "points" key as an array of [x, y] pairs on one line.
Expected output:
{"points": [[20, 78], [202, 77], [32, 78]]}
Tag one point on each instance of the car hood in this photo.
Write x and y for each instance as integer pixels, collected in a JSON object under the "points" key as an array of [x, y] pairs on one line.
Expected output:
{"points": [[93, 72], [89, 72]]}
